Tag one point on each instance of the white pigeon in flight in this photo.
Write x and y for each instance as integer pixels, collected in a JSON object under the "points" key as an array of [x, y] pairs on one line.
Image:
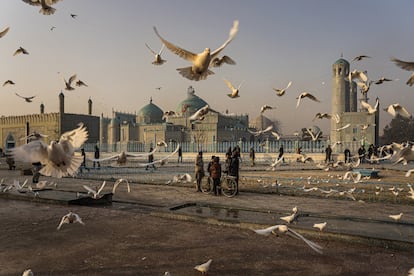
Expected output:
{"points": [[305, 95], [395, 109], [282, 91], [234, 91], [406, 65], [265, 107], [369, 108], [68, 83], [70, 218], [284, 229], [199, 114], [343, 127], [28, 272], [199, 62], [95, 193], [58, 158], [157, 56], [218, 61], [262, 131], [46, 5]]}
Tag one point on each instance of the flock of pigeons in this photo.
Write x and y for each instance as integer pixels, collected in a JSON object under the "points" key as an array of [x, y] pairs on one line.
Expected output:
{"points": [[46, 9]]}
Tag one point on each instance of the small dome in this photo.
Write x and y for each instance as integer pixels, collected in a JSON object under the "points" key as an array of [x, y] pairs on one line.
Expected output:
{"points": [[150, 114], [191, 104], [261, 122], [342, 61]]}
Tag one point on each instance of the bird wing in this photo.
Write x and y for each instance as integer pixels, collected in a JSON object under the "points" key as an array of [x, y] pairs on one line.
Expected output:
{"points": [[311, 244], [78, 218], [4, 32], [298, 102], [75, 137], [119, 181], [90, 190], [269, 128], [409, 66], [229, 84], [152, 51], [162, 159], [35, 151], [175, 49], [101, 188], [402, 111], [71, 79], [232, 34], [105, 159], [276, 135], [366, 105], [142, 154], [311, 97], [62, 221]]}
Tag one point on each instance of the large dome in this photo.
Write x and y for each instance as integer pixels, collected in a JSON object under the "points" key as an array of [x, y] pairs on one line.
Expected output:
{"points": [[150, 114], [191, 104]]}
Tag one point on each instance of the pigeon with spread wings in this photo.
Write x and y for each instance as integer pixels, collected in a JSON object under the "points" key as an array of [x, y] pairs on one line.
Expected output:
{"points": [[157, 56], [27, 99], [59, 158], [305, 95], [199, 62], [46, 5], [234, 91], [282, 91], [397, 109], [406, 65]]}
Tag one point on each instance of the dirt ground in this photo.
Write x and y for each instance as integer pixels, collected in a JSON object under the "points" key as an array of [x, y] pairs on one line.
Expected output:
{"points": [[114, 242], [125, 242]]}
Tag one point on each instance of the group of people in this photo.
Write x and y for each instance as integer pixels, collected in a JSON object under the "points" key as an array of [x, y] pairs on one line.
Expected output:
{"points": [[231, 167]]}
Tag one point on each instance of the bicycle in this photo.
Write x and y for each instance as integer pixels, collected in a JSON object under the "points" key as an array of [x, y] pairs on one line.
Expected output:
{"points": [[227, 185]]}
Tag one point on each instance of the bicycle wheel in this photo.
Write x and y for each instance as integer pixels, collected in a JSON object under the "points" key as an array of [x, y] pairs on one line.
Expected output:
{"points": [[229, 187], [206, 185]]}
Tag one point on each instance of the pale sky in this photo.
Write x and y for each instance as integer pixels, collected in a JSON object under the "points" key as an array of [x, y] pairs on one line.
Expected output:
{"points": [[277, 42]]}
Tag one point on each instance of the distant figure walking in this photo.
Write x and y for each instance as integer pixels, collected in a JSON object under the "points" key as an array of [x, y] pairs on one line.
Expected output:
{"points": [[281, 152], [328, 153], [199, 170], [97, 155], [151, 160], [180, 155], [361, 153], [252, 156], [347, 154]]}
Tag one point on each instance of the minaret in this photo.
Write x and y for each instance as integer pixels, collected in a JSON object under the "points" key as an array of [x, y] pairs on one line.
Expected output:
{"points": [[61, 103], [89, 106], [340, 95]]}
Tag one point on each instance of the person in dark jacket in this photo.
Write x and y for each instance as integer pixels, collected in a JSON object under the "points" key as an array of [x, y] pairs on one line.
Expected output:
{"points": [[199, 170], [215, 174], [234, 169], [151, 160], [97, 155]]}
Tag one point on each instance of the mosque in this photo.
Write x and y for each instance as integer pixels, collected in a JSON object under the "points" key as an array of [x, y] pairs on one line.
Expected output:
{"points": [[150, 125], [139, 131], [144, 128]]}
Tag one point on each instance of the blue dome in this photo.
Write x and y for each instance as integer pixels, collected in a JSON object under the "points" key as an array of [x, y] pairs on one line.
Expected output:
{"points": [[342, 61], [150, 114], [191, 104]]}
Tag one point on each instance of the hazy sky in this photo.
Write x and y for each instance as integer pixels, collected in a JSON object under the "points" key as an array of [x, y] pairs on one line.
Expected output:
{"points": [[278, 41]]}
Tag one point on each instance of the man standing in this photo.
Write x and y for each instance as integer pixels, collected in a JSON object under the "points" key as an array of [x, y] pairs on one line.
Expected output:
{"points": [[281, 151], [328, 153], [215, 174], [150, 160], [252, 157], [180, 155], [199, 170], [97, 154]]}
